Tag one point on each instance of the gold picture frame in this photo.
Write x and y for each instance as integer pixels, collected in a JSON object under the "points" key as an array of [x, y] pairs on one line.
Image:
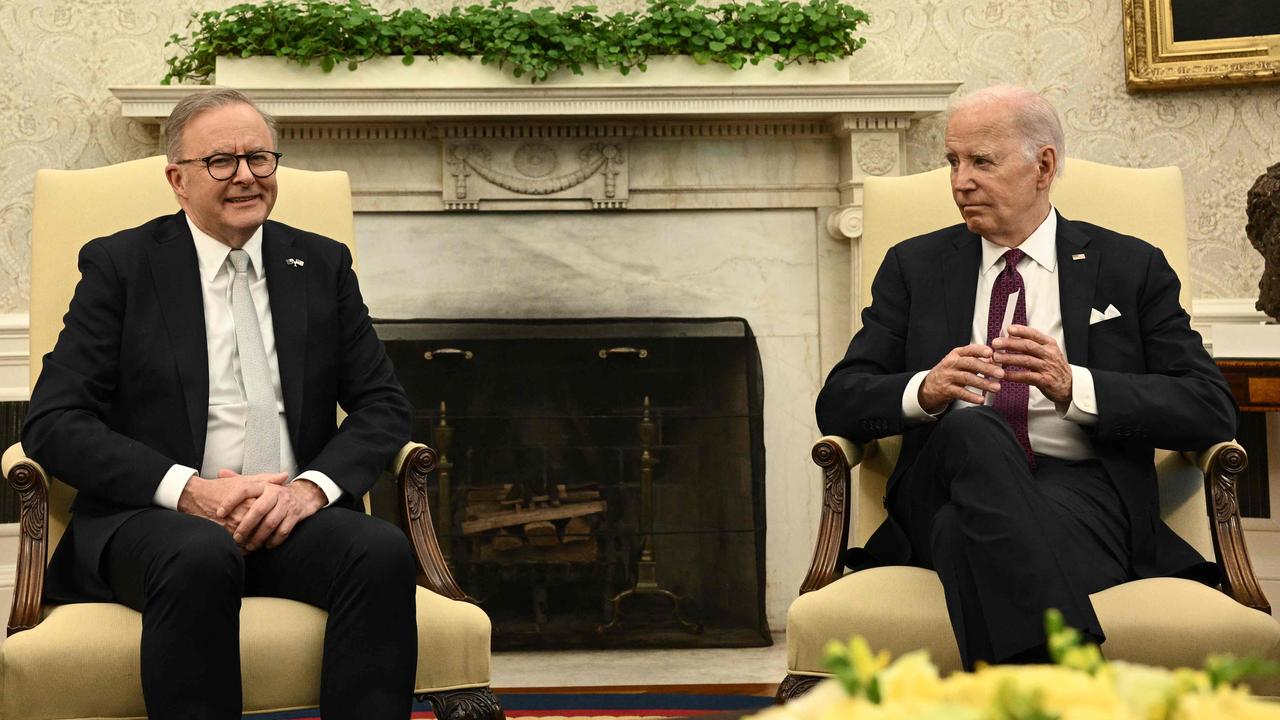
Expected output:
{"points": [[1154, 60]]}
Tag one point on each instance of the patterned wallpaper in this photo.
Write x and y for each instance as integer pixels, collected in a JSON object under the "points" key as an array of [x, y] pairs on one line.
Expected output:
{"points": [[57, 58]]}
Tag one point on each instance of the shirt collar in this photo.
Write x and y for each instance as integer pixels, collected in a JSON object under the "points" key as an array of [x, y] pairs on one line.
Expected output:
{"points": [[213, 254], [1041, 246]]}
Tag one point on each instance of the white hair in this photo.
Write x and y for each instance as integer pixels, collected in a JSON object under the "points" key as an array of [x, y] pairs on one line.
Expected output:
{"points": [[198, 102], [1034, 117]]}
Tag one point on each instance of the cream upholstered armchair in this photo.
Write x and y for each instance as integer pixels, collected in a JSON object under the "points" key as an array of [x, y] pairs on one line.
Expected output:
{"points": [[1158, 621], [82, 660]]}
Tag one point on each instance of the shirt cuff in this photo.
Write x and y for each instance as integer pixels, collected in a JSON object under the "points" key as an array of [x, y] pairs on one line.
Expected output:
{"points": [[912, 412], [172, 485], [1083, 408], [322, 481]]}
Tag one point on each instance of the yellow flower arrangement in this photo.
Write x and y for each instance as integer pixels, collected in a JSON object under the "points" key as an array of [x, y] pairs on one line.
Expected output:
{"points": [[1081, 686]]}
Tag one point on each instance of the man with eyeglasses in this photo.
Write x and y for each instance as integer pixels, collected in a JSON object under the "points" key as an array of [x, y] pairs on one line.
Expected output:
{"points": [[190, 401]]}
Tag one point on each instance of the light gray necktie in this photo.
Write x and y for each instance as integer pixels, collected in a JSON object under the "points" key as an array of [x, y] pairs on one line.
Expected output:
{"points": [[261, 427]]}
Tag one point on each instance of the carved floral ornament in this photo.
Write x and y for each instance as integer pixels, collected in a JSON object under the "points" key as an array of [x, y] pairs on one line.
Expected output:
{"points": [[877, 156], [535, 160], [534, 172]]}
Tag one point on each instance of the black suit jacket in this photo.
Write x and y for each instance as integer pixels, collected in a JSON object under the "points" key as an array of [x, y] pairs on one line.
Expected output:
{"points": [[1156, 386], [124, 394]]}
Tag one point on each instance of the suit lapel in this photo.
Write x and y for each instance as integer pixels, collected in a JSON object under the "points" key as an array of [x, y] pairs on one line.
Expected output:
{"points": [[287, 287], [960, 279], [176, 273], [1077, 278]]}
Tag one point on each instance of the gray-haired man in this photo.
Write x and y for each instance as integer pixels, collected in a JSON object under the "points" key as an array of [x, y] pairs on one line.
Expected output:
{"points": [[190, 401], [1032, 364]]}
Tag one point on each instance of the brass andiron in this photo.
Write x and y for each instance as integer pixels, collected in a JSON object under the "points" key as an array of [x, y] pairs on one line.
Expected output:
{"points": [[647, 568], [444, 506]]}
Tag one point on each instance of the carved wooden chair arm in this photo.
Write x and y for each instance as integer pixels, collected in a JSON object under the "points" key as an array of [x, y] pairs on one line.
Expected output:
{"points": [[836, 456], [31, 483], [1222, 465], [411, 467]]}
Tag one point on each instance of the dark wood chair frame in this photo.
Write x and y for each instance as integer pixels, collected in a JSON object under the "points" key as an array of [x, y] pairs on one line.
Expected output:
{"points": [[32, 485], [1221, 464]]}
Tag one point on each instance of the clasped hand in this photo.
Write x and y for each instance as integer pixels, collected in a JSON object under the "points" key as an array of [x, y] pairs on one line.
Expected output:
{"points": [[1026, 356], [258, 510]]}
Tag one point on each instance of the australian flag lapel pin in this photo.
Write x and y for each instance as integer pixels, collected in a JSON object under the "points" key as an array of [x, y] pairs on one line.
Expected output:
{"points": [[294, 262]]}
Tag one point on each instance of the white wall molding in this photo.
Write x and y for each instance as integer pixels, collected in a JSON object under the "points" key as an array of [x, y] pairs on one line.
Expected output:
{"points": [[14, 353], [1225, 310], [1207, 312]]}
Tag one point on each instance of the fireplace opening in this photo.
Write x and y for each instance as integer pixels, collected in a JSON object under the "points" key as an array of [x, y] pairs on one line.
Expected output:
{"points": [[601, 481]]}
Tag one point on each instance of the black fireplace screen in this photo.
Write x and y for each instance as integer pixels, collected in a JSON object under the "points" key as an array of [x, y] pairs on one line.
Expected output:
{"points": [[601, 481]]}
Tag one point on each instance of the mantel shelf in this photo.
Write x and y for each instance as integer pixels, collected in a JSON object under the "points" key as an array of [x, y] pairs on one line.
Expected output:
{"points": [[905, 100]]}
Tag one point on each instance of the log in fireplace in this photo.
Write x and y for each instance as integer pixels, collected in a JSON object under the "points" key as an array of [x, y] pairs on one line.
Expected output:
{"points": [[601, 481]]}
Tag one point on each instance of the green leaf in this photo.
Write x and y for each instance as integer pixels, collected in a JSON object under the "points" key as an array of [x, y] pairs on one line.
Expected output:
{"points": [[1226, 669], [535, 42]]}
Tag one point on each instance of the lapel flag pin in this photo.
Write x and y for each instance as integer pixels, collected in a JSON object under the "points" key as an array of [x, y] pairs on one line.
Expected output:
{"points": [[294, 262], [1078, 256]]}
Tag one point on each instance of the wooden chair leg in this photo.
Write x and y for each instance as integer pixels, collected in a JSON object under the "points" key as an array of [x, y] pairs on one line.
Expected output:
{"points": [[793, 686], [467, 704]]}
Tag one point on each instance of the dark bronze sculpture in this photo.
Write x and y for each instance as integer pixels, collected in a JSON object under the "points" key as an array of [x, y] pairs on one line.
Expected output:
{"points": [[1263, 230]]}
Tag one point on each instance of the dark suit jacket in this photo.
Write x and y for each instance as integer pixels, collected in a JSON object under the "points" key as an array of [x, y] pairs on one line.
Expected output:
{"points": [[1156, 386], [124, 394]]}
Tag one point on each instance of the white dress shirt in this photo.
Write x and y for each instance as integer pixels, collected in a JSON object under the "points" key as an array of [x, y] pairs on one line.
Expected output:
{"points": [[228, 409], [1054, 431]]}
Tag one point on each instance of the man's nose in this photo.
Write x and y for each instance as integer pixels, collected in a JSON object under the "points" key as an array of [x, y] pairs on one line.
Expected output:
{"points": [[243, 175], [962, 178]]}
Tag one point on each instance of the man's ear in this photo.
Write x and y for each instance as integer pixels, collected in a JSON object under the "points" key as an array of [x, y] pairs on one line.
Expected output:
{"points": [[1046, 167], [176, 179]]}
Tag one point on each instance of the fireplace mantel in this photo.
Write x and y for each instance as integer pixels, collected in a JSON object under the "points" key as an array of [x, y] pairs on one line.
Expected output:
{"points": [[461, 88], [151, 104], [424, 149]]}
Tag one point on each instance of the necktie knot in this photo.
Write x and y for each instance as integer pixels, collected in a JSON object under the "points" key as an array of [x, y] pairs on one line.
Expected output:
{"points": [[240, 260], [1012, 258]]}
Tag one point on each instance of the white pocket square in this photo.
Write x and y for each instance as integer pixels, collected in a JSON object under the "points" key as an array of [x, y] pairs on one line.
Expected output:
{"points": [[1097, 316]]}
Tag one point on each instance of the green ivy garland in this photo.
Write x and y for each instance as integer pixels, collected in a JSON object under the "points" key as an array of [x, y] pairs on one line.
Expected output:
{"points": [[536, 42]]}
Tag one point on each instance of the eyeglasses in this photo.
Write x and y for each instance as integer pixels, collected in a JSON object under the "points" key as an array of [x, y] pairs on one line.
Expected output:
{"points": [[224, 166]]}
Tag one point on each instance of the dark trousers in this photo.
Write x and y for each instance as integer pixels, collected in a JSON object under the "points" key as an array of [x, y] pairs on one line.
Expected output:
{"points": [[1008, 543], [186, 576]]}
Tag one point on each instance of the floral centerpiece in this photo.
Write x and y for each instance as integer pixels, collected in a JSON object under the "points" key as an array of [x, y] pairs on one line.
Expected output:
{"points": [[1081, 686]]}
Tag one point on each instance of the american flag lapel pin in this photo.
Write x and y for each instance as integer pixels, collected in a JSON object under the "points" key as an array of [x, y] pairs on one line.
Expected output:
{"points": [[1078, 256], [294, 262]]}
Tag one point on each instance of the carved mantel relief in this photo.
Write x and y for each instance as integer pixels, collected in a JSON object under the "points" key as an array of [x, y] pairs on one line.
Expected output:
{"points": [[556, 174]]}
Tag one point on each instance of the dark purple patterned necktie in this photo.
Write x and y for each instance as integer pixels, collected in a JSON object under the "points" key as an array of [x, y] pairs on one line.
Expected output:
{"points": [[1013, 397]]}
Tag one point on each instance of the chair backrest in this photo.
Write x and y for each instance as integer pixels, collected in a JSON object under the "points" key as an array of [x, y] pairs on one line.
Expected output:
{"points": [[71, 207], [1145, 203]]}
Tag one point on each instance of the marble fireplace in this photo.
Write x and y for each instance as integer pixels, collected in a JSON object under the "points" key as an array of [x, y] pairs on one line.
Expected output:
{"points": [[643, 198]]}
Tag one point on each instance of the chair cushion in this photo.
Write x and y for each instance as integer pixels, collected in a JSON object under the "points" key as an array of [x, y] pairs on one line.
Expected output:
{"points": [[895, 608], [1168, 622], [1175, 623], [82, 660]]}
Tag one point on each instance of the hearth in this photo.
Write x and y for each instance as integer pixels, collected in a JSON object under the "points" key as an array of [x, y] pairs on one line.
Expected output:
{"points": [[601, 481]]}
